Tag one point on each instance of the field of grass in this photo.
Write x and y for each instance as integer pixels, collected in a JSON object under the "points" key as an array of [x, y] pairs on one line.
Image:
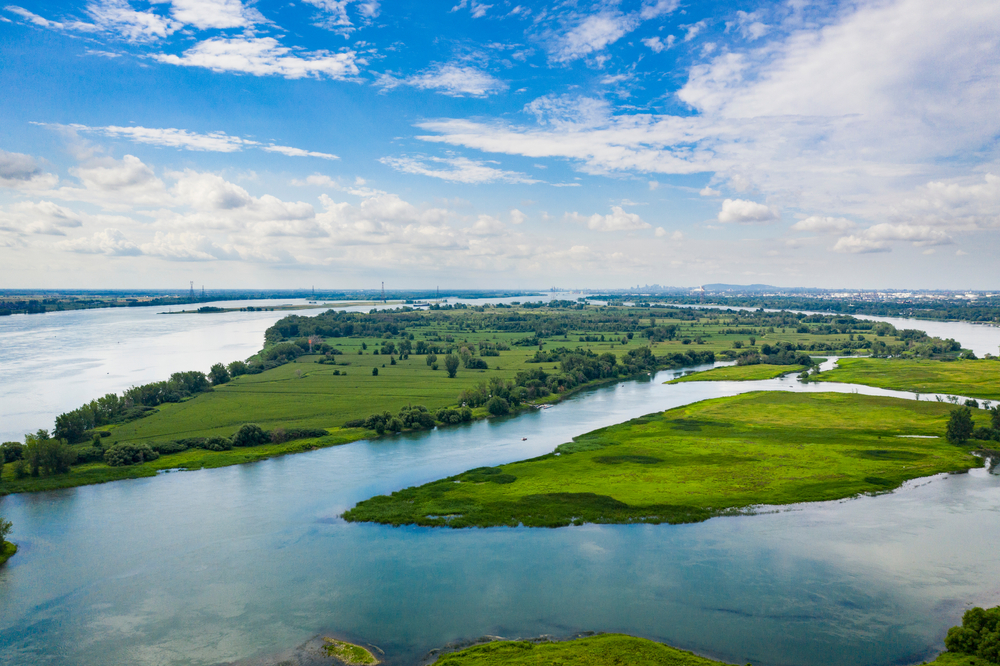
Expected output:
{"points": [[90, 473], [309, 394], [348, 653], [600, 650], [976, 379], [694, 462], [958, 659], [739, 373], [7, 550]]}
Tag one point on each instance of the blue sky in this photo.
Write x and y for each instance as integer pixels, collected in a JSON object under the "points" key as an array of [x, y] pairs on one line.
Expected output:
{"points": [[340, 143]]}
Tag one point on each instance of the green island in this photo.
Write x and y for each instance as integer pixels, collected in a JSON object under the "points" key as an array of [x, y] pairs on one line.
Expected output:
{"points": [[698, 461], [599, 650], [348, 653], [972, 378], [7, 550], [739, 373], [340, 376]]}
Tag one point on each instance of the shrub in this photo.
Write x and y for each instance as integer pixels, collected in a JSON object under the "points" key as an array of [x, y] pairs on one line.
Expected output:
{"points": [[250, 434], [164, 448], [498, 406], [127, 453], [218, 444]]}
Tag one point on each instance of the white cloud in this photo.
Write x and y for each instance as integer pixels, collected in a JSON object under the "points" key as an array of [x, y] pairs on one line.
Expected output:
{"points": [[592, 33], [298, 152], [656, 8], [517, 217], [205, 14], [694, 30], [43, 217], [659, 45], [478, 9], [454, 80], [742, 211], [264, 56], [660, 232], [219, 142], [118, 17], [110, 242], [749, 25], [34, 18], [458, 170], [336, 17], [824, 225], [707, 191], [189, 246], [21, 171], [618, 220], [877, 238]]}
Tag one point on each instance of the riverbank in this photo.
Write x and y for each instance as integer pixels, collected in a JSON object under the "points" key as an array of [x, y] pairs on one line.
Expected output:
{"points": [[973, 378], [599, 650], [692, 463], [7, 551], [739, 373]]}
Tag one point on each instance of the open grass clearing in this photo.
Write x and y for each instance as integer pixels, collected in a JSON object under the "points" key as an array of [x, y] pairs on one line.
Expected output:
{"points": [[599, 650], [975, 379], [739, 373], [694, 462]]}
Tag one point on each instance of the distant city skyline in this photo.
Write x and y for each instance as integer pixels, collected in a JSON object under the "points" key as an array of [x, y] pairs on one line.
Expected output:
{"points": [[509, 145]]}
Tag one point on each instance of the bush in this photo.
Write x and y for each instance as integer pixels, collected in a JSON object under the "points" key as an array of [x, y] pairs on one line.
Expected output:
{"points": [[164, 448], [979, 634], [127, 453], [218, 444], [498, 406], [473, 363], [250, 434], [88, 454]]}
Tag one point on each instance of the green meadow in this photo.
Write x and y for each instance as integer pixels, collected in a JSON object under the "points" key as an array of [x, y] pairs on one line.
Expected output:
{"points": [[973, 378], [739, 373], [329, 391], [694, 462], [599, 650]]}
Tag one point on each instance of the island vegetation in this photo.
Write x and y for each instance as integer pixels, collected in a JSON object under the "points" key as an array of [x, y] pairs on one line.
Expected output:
{"points": [[339, 376], [7, 549], [739, 373], [598, 650], [348, 653], [694, 462], [963, 377]]}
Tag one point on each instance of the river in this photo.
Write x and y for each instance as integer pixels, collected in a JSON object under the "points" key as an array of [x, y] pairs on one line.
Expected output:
{"points": [[244, 563]]}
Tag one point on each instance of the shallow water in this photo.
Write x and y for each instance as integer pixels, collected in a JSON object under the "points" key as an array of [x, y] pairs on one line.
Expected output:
{"points": [[245, 562]]}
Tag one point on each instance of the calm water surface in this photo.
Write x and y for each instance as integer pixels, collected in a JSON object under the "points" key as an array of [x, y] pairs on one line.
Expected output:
{"points": [[247, 562], [244, 563]]}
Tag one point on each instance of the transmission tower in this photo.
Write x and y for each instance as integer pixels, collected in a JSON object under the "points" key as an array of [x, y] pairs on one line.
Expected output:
{"points": [[383, 292], [192, 290]]}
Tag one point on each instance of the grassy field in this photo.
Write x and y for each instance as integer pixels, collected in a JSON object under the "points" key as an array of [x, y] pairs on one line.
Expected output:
{"points": [[600, 650], [976, 379], [309, 394], [348, 653], [694, 462], [958, 659], [739, 373], [7, 550]]}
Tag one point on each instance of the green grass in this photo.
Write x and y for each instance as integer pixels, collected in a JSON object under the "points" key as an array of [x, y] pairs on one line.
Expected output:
{"points": [[7, 550], [976, 379], [90, 473], [600, 650], [959, 659], [694, 462], [739, 373], [348, 653]]}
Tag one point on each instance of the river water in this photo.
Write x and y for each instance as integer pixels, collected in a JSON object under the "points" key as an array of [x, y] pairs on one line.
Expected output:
{"points": [[244, 563]]}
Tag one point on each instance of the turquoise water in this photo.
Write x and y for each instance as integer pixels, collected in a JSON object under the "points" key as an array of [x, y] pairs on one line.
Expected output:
{"points": [[245, 563]]}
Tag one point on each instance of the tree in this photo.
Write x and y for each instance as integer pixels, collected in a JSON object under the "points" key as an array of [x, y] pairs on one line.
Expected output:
{"points": [[250, 434], [498, 406], [5, 528], [46, 456], [432, 359], [995, 418], [374, 372], [451, 364], [979, 634], [960, 425], [218, 374]]}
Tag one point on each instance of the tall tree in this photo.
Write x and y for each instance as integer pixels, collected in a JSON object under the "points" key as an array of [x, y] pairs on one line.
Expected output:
{"points": [[960, 425]]}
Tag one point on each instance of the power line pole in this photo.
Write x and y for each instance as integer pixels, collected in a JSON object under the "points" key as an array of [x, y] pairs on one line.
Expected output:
{"points": [[191, 296], [383, 292]]}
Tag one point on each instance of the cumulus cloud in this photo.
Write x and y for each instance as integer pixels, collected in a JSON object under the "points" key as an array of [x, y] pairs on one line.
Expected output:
{"points": [[264, 56], [741, 211], [189, 246], [617, 220], [517, 217], [42, 217], [659, 45], [824, 225], [110, 242], [221, 14], [878, 237], [455, 80], [21, 171], [456, 170], [335, 16], [707, 191], [119, 18]]}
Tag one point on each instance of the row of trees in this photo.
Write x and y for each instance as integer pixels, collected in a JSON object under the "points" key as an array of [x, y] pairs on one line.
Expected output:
{"points": [[961, 426]]}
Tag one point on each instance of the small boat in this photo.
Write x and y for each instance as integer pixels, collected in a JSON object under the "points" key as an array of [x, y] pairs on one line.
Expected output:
{"points": [[524, 439]]}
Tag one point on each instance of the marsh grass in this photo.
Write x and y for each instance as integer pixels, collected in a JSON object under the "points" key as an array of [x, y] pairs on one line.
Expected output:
{"points": [[694, 462], [975, 379], [739, 373]]}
